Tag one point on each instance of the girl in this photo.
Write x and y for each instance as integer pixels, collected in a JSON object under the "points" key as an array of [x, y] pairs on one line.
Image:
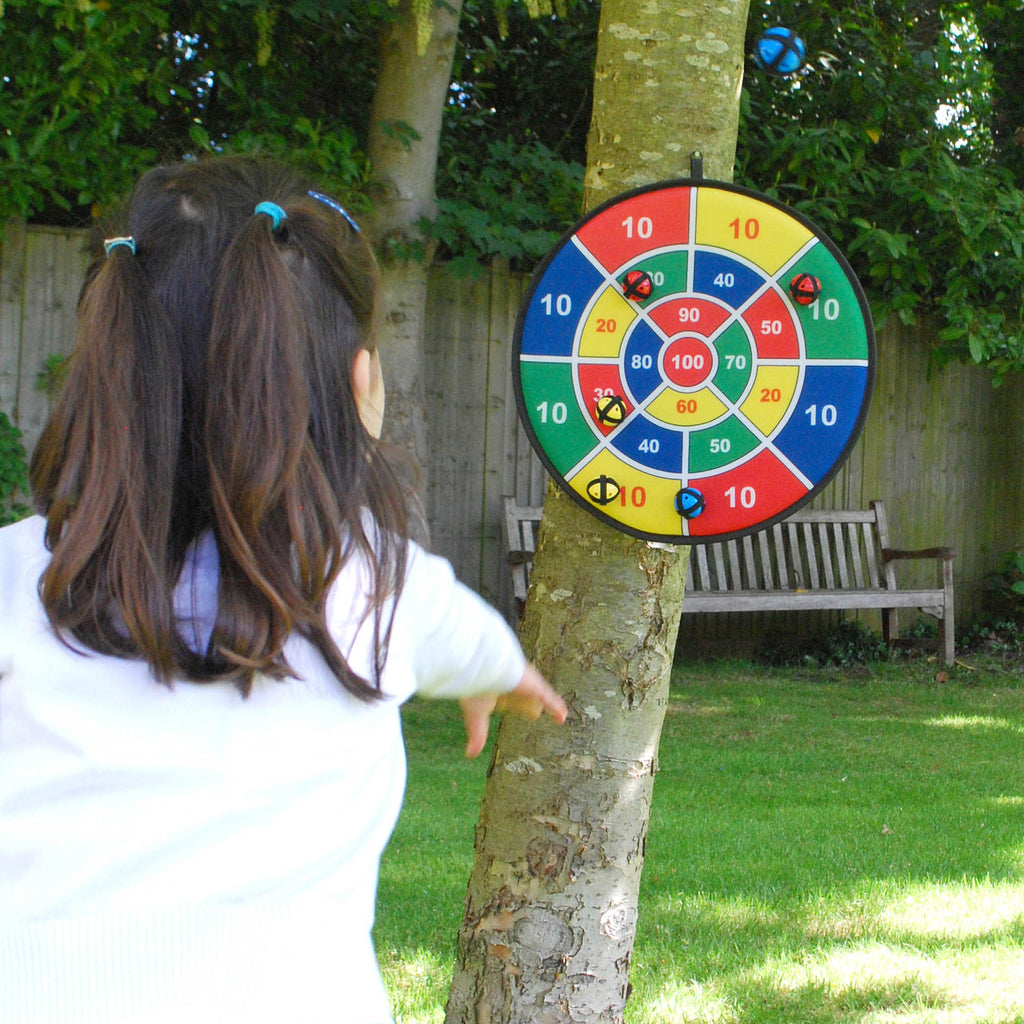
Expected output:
{"points": [[207, 630]]}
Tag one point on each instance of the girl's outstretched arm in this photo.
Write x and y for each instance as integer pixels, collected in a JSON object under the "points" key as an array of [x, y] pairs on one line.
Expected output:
{"points": [[532, 698]]}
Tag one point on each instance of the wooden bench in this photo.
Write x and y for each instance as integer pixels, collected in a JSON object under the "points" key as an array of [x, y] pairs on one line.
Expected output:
{"points": [[814, 560]]}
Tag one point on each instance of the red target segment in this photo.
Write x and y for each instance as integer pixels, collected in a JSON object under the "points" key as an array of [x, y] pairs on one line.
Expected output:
{"points": [[621, 231], [690, 313], [688, 362], [693, 361], [773, 327], [603, 395], [763, 488]]}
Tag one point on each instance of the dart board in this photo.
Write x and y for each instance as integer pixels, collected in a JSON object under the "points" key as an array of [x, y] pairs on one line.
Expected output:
{"points": [[693, 361]]}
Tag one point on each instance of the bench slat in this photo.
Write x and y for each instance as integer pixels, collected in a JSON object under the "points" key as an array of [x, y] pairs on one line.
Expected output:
{"points": [[781, 564], [871, 554], [702, 562], [815, 600], [814, 580], [828, 556], [763, 541], [748, 563]]}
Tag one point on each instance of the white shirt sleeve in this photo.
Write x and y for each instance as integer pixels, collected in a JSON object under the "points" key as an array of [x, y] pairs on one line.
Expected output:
{"points": [[457, 644]]}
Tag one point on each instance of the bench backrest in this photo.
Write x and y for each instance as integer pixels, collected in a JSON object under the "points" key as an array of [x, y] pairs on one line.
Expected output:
{"points": [[810, 550]]}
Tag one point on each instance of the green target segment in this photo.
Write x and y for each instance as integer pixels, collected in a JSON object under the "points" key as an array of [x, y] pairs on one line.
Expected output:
{"points": [[693, 361]]}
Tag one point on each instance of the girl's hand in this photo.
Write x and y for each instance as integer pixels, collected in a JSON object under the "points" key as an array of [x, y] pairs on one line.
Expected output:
{"points": [[533, 697]]}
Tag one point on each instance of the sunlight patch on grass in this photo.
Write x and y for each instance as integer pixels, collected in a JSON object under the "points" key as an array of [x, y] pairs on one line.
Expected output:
{"points": [[974, 722], [417, 984], [698, 708], [946, 911], [847, 919], [687, 1002], [955, 912], [880, 983]]}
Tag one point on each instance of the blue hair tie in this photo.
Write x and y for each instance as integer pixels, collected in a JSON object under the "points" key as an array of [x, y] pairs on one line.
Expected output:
{"points": [[273, 211], [109, 244], [334, 205]]}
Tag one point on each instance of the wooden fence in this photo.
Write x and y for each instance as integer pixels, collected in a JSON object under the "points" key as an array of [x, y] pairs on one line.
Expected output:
{"points": [[942, 448]]}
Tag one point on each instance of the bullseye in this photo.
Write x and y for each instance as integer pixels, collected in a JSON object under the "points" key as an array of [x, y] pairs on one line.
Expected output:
{"points": [[688, 362]]}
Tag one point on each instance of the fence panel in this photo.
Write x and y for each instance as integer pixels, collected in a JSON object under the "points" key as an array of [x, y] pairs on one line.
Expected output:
{"points": [[41, 272], [940, 447]]}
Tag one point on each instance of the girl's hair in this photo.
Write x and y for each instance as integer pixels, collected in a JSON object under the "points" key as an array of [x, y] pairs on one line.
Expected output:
{"points": [[211, 389]]}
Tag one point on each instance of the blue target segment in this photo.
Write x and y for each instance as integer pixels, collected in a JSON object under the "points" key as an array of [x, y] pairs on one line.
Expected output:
{"points": [[549, 327], [825, 419], [724, 278], [641, 363], [651, 445]]}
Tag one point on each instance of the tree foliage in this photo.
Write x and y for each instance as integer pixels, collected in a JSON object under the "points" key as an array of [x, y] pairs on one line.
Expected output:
{"points": [[510, 174], [93, 93], [894, 139], [96, 93], [81, 97], [903, 136], [13, 473]]}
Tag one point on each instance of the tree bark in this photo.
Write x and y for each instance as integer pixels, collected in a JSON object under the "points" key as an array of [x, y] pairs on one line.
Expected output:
{"points": [[552, 904], [405, 131]]}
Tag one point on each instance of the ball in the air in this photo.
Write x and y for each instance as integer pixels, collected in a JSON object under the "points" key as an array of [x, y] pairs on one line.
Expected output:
{"points": [[779, 50]]}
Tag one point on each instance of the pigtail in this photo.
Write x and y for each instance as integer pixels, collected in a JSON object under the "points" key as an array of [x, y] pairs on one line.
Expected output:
{"points": [[211, 391], [275, 506], [104, 471]]}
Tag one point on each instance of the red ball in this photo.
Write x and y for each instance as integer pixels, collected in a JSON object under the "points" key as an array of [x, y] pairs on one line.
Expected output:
{"points": [[637, 285], [805, 289]]}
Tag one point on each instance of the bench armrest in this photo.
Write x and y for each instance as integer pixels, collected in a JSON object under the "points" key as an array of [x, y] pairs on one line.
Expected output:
{"points": [[893, 554]]}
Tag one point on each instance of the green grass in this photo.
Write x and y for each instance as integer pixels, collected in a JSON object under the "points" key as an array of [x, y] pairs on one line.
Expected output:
{"points": [[826, 846]]}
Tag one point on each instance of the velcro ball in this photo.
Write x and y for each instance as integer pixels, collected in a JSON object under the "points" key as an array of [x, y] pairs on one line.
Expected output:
{"points": [[637, 285], [689, 503], [779, 50], [805, 289]]}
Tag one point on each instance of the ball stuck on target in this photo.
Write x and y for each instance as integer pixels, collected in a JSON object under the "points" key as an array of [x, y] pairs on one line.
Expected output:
{"points": [[637, 285], [689, 503], [805, 289], [611, 409]]}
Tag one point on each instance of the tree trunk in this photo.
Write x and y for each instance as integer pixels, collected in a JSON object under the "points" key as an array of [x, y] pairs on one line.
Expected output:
{"points": [[552, 903], [405, 132]]}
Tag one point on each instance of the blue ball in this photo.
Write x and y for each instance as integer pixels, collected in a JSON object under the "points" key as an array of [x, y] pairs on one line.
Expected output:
{"points": [[780, 50], [689, 503]]}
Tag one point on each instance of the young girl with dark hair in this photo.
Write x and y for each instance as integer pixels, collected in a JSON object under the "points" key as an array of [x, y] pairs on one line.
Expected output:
{"points": [[208, 628]]}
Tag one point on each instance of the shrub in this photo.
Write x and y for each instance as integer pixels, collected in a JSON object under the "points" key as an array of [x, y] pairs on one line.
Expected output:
{"points": [[13, 473], [850, 643]]}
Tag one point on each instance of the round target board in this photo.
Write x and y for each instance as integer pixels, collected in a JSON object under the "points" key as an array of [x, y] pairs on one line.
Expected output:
{"points": [[693, 361]]}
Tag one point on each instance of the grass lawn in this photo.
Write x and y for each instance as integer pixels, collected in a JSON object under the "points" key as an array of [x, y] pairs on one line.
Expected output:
{"points": [[826, 846]]}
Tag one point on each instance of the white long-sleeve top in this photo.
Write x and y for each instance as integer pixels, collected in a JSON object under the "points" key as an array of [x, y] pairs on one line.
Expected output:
{"points": [[184, 854]]}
